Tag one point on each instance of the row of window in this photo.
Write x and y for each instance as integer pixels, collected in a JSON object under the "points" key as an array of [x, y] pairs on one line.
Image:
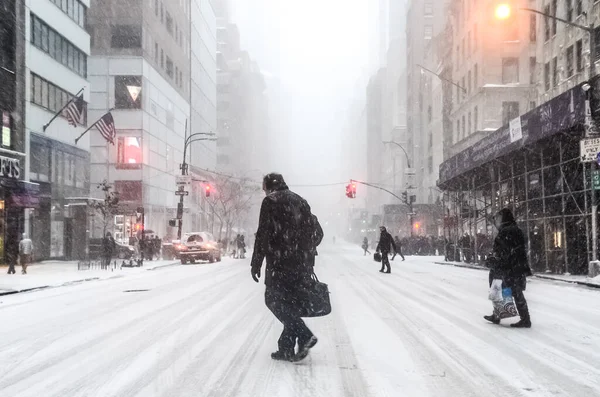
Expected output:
{"points": [[574, 63], [74, 9], [50, 96], [52, 43], [170, 24], [469, 83], [464, 128], [166, 63], [54, 165], [573, 8]]}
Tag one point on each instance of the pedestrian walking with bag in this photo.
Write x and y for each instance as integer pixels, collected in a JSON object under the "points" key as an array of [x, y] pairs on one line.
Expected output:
{"points": [[25, 252], [286, 239], [509, 266], [385, 246]]}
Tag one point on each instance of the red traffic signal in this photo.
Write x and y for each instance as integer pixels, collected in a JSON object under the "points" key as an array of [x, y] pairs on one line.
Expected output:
{"points": [[207, 190], [351, 190], [138, 227]]}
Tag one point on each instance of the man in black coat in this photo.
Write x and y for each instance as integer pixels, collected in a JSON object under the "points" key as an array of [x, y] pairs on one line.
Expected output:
{"points": [[509, 263], [385, 245], [108, 249], [286, 237]]}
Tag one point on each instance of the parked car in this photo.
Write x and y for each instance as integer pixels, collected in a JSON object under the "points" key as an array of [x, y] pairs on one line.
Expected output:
{"points": [[122, 251], [197, 246]]}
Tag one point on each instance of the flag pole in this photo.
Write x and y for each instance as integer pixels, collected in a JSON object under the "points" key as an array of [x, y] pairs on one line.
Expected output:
{"points": [[92, 126], [60, 111]]}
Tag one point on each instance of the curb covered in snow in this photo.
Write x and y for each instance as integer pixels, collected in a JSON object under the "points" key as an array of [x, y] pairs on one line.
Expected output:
{"points": [[540, 276], [12, 292]]}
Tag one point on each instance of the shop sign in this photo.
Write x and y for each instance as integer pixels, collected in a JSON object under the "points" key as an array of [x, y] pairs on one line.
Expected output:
{"points": [[589, 149], [9, 167]]}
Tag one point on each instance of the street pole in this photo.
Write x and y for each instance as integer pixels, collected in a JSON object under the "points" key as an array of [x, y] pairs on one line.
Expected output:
{"points": [[594, 166], [183, 172]]}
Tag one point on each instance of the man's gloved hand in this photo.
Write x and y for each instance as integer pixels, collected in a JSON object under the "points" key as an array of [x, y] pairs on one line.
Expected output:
{"points": [[255, 273]]}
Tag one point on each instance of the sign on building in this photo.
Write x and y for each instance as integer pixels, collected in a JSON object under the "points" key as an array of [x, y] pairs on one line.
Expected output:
{"points": [[516, 132], [589, 149]]}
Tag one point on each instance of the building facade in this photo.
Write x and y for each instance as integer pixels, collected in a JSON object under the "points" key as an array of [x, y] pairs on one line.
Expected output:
{"points": [[16, 194], [57, 52], [153, 63]]}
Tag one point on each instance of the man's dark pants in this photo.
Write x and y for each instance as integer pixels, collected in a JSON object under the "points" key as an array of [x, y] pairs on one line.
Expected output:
{"points": [[385, 262], [278, 300]]}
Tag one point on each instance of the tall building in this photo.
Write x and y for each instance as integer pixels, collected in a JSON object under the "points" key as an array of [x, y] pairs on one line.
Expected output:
{"points": [[16, 194], [526, 154], [424, 21], [58, 48], [154, 63], [243, 121], [374, 116]]}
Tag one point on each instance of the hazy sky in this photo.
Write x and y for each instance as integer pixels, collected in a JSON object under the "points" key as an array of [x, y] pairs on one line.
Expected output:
{"points": [[318, 49]]}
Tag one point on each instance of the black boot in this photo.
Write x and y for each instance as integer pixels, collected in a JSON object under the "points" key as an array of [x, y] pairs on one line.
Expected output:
{"points": [[282, 355], [492, 319], [304, 348], [523, 323]]}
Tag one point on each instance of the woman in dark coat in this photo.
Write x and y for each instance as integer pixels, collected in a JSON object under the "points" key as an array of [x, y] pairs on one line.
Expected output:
{"points": [[509, 263]]}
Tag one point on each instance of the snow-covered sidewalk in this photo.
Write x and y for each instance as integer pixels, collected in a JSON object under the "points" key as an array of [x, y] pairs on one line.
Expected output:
{"points": [[565, 278], [58, 273]]}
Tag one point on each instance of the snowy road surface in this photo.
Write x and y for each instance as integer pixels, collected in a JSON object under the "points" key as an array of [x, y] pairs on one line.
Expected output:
{"points": [[203, 330]]}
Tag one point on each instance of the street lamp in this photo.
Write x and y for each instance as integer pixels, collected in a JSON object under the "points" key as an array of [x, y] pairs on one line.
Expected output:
{"points": [[404, 150], [184, 171], [502, 11]]}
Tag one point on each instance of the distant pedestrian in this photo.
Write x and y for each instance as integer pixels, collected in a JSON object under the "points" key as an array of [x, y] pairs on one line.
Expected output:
{"points": [[398, 248], [510, 264], [385, 246], [108, 250], [365, 246], [25, 252]]}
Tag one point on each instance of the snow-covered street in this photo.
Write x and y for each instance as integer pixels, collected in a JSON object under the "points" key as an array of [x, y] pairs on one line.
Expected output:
{"points": [[203, 330]]}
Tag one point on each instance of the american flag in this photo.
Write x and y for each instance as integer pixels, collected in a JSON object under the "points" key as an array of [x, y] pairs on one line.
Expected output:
{"points": [[106, 126], [74, 111]]}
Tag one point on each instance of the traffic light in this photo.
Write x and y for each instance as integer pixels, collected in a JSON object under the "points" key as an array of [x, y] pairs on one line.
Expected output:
{"points": [[138, 227], [139, 215], [207, 190], [417, 225], [405, 197], [351, 190]]}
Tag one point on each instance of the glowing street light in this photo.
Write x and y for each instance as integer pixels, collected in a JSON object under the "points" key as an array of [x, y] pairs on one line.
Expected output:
{"points": [[502, 11]]}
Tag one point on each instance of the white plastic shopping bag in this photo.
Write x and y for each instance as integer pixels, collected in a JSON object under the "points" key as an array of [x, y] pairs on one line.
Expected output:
{"points": [[495, 294]]}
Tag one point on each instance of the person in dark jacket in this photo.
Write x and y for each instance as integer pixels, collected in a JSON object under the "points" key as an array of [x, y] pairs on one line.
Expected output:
{"points": [[108, 249], [365, 246], [385, 246], [509, 263], [286, 239], [397, 248]]}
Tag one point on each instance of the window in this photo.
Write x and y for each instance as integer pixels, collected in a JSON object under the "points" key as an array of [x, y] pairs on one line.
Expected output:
{"points": [[428, 32], [129, 152], [475, 78], [60, 49], [457, 130], [463, 86], [553, 13], [162, 59], [463, 126], [428, 9], [531, 105], [156, 52], [532, 70], [126, 36], [570, 63], [74, 9], [579, 7], [547, 22], [475, 37], [176, 75], [156, 7], [547, 76], [510, 70], [50, 96], [569, 7], [457, 56], [579, 55], [469, 44], [169, 23], [469, 130], [475, 119], [510, 110], [169, 67], [555, 72], [469, 84], [429, 114], [162, 12], [533, 28], [128, 92]]}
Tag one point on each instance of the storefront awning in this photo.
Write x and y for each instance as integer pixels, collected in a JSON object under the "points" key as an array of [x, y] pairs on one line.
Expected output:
{"points": [[560, 114]]}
